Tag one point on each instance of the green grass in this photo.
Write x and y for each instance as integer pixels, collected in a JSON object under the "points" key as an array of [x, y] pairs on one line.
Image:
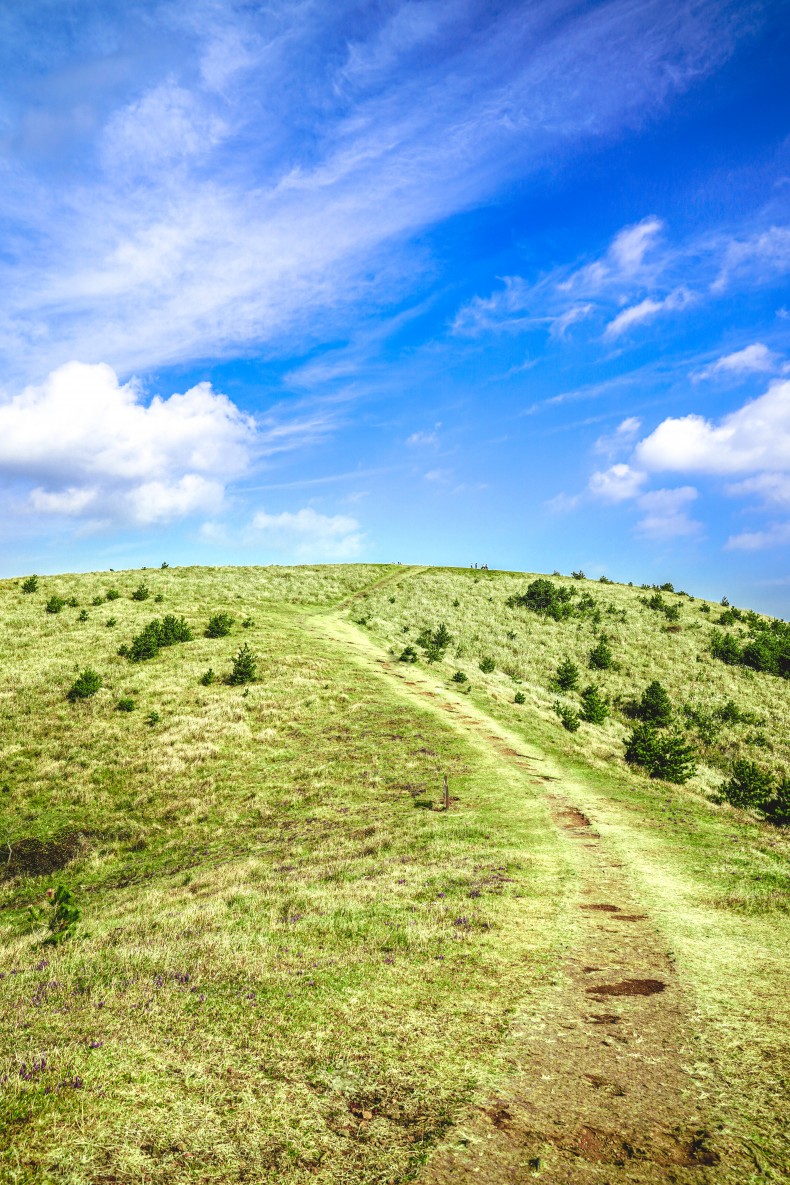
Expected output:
{"points": [[288, 963]]}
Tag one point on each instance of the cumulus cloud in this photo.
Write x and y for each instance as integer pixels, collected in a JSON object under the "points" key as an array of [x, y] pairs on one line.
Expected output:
{"points": [[618, 483], [773, 488], [754, 438], [308, 535], [89, 444], [666, 514], [754, 359], [645, 309]]}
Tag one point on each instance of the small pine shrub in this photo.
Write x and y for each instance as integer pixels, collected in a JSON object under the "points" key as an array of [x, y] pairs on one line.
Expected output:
{"points": [[568, 717], [127, 704], [219, 625], [164, 565], [663, 755], [83, 615], [487, 665], [725, 648], [578, 575], [141, 593], [156, 635], [605, 580], [97, 601], [54, 604], [248, 623], [159, 598], [567, 675], [409, 654], [208, 677], [456, 603], [72, 603], [777, 809], [152, 718], [519, 698], [110, 622], [594, 708], [601, 657], [245, 665], [112, 594], [30, 585], [655, 706], [460, 677], [748, 786], [85, 685]]}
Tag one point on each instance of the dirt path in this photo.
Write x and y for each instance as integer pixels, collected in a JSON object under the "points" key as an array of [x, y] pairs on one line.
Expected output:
{"points": [[598, 1090]]}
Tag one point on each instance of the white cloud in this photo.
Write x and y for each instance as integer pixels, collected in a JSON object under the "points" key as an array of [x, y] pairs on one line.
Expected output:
{"points": [[421, 439], [756, 437], [759, 258], [210, 212], [666, 515], [561, 324], [622, 437], [90, 444], [776, 535], [773, 488], [630, 246], [647, 308], [753, 359], [308, 535], [617, 483], [439, 476]]}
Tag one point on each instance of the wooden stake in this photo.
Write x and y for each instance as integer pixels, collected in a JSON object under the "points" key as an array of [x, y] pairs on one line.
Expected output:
{"points": [[446, 793]]}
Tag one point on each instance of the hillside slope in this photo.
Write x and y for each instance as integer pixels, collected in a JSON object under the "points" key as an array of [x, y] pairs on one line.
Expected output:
{"points": [[291, 965]]}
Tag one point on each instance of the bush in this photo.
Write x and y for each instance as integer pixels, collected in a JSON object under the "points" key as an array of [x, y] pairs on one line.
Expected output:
{"points": [[159, 598], [569, 718], [155, 636], [434, 642], [777, 808], [97, 601], [30, 585], [208, 678], [83, 615], [125, 705], [219, 626], [578, 575], [141, 593], [725, 648], [85, 685], [409, 654], [749, 786], [487, 665], [519, 698], [567, 675], [601, 657], [248, 623], [245, 665], [460, 677], [594, 708], [112, 594], [655, 706], [542, 596], [72, 603], [152, 718], [54, 604], [663, 755], [110, 622]]}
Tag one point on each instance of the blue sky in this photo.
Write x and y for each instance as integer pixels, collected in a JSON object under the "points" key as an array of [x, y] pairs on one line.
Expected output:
{"points": [[429, 282]]}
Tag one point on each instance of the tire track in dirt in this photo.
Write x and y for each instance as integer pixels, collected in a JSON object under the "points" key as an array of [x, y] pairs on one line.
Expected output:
{"points": [[598, 1092]]}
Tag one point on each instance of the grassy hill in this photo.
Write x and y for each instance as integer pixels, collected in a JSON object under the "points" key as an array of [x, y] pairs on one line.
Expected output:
{"points": [[289, 963]]}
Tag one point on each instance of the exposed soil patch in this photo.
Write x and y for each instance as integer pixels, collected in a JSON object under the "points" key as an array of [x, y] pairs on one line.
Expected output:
{"points": [[40, 857], [570, 817], [602, 908], [629, 987]]}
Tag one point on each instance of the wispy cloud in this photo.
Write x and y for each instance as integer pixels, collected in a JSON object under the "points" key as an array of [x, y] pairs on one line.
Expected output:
{"points": [[204, 212], [645, 310], [753, 359]]}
